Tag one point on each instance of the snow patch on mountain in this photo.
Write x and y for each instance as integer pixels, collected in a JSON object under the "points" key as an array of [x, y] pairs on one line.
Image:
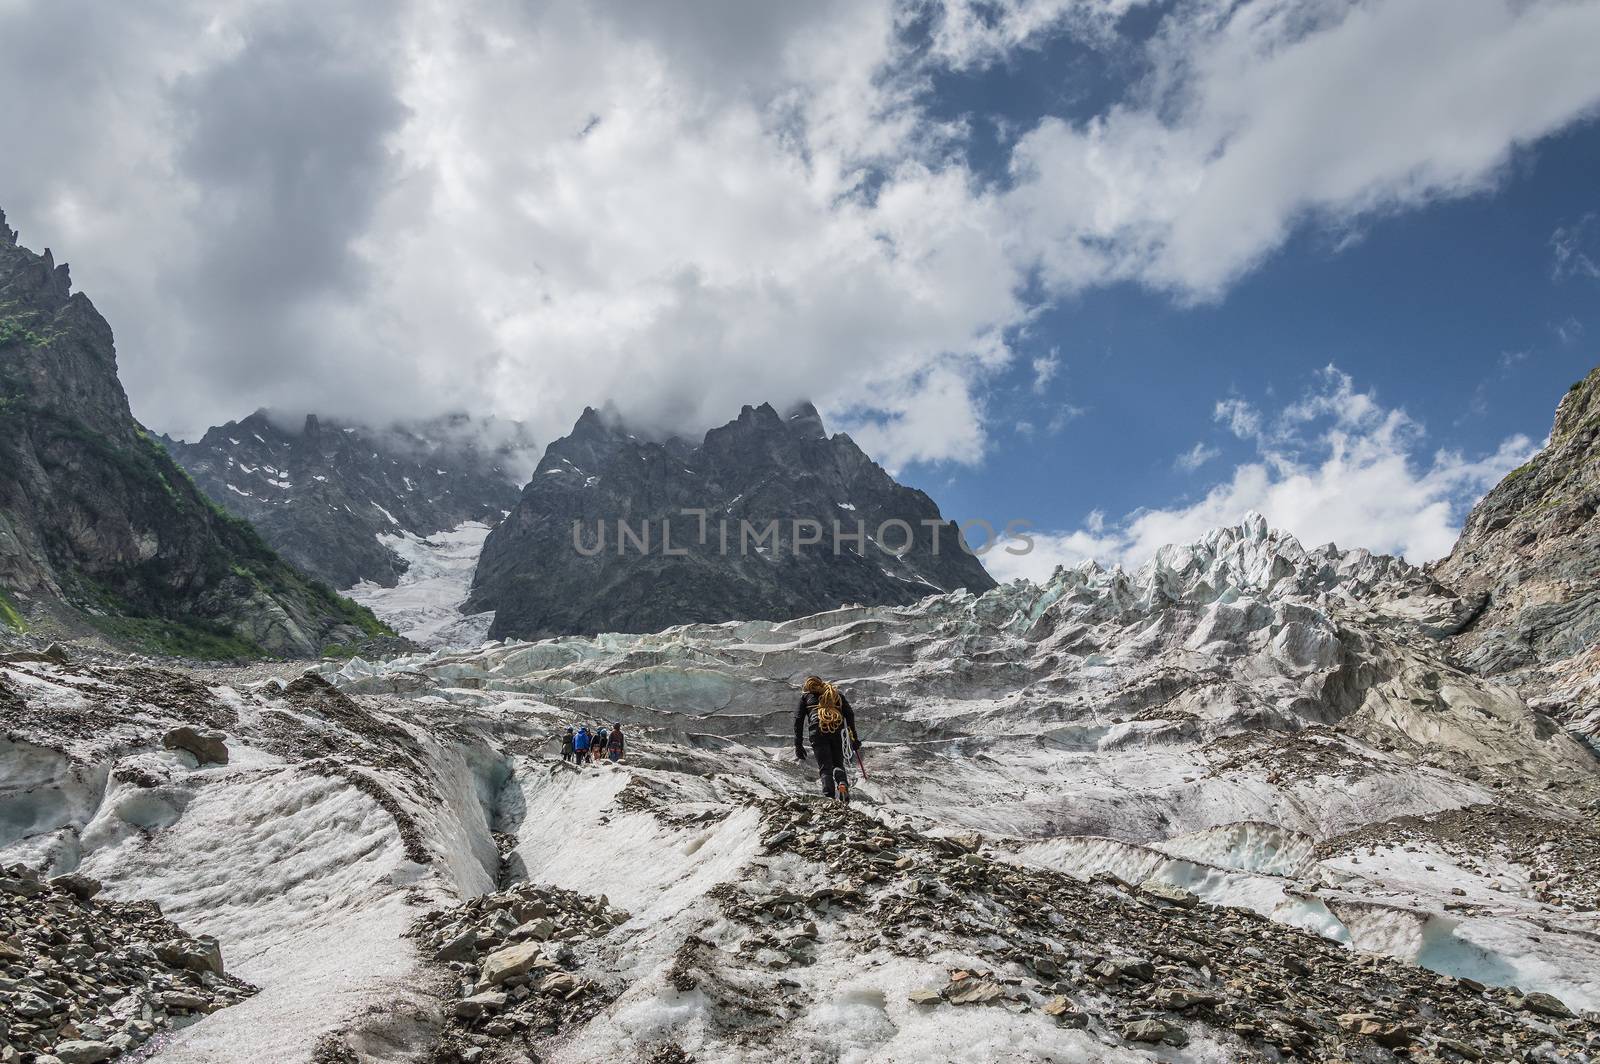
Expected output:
{"points": [[425, 605]]}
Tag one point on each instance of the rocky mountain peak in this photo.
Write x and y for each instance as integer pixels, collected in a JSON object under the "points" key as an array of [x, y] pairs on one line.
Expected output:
{"points": [[8, 235], [757, 469], [334, 497], [804, 420], [101, 529]]}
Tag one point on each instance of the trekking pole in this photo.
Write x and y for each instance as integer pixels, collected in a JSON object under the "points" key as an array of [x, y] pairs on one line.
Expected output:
{"points": [[859, 765]]}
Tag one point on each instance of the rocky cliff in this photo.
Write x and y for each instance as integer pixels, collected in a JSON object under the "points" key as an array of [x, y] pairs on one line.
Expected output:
{"points": [[760, 469], [328, 495], [99, 525], [1529, 562]]}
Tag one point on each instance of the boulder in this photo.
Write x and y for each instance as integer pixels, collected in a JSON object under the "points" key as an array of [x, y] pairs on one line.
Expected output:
{"points": [[78, 885], [201, 954], [1547, 1005], [507, 963], [82, 1051], [207, 746], [184, 1001], [1170, 894], [490, 1001], [462, 947], [1155, 1031]]}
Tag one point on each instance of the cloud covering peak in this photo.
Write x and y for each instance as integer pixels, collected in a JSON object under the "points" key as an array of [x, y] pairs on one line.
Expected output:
{"points": [[392, 210]]}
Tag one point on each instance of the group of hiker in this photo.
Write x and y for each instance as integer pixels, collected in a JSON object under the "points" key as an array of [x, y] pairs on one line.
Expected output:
{"points": [[582, 746], [823, 716]]}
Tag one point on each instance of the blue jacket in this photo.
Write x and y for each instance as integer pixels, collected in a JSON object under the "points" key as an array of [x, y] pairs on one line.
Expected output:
{"points": [[581, 740]]}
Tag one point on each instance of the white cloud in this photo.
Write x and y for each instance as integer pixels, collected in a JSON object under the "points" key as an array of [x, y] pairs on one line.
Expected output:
{"points": [[971, 33], [1240, 417], [1575, 249], [1045, 369], [1335, 466], [1260, 116], [1195, 457], [682, 208]]}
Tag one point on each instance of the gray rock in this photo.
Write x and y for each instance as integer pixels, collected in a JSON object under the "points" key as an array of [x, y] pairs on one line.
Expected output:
{"points": [[462, 947], [488, 1002], [201, 954], [1155, 1031], [1172, 895], [208, 746], [78, 1051], [78, 885], [185, 1001], [1547, 1005], [512, 961]]}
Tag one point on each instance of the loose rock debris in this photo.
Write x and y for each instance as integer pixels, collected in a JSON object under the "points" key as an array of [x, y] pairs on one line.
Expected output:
{"points": [[1136, 966], [84, 980], [512, 959]]}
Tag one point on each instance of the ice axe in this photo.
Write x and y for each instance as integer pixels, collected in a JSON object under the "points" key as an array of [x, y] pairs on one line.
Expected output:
{"points": [[856, 748]]}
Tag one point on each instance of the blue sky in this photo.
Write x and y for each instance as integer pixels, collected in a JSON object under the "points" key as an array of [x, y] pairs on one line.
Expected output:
{"points": [[1341, 255], [1454, 312]]}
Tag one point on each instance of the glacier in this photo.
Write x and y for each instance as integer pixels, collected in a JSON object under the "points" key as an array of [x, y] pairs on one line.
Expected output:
{"points": [[1247, 745]]}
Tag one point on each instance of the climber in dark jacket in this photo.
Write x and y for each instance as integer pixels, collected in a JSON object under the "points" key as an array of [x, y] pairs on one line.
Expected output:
{"points": [[566, 745], [817, 698]]}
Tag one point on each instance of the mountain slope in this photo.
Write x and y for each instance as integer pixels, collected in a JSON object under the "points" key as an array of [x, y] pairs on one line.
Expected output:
{"points": [[329, 495], [1529, 559], [97, 518], [760, 468]]}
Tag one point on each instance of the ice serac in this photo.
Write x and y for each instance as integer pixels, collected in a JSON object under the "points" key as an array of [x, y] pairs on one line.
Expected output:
{"points": [[1529, 561], [98, 527], [762, 468], [332, 496]]}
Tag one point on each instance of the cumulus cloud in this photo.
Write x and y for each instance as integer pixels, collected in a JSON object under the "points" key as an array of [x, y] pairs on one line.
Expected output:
{"points": [[397, 209], [1258, 117], [1334, 466]]}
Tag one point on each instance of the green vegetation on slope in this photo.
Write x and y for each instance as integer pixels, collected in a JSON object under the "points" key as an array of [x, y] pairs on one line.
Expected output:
{"points": [[140, 607], [10, 616], [204, 640]]}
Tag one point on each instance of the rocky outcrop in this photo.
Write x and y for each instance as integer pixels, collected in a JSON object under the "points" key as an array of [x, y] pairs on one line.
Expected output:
{"points": [[1529, 562], [99, 525], [714, 533], [326, 495]]}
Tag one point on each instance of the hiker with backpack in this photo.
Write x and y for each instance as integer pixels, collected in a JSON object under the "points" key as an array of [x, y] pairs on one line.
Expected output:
{"points": [[580, 745], [566, 745], [615, 746], [825, 713], [598, 744]]}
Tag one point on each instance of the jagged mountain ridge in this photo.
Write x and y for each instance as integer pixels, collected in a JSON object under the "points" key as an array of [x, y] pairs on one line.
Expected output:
{"points": [[97, 518], [761, 467], [1529, 559], [326, 496]]}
